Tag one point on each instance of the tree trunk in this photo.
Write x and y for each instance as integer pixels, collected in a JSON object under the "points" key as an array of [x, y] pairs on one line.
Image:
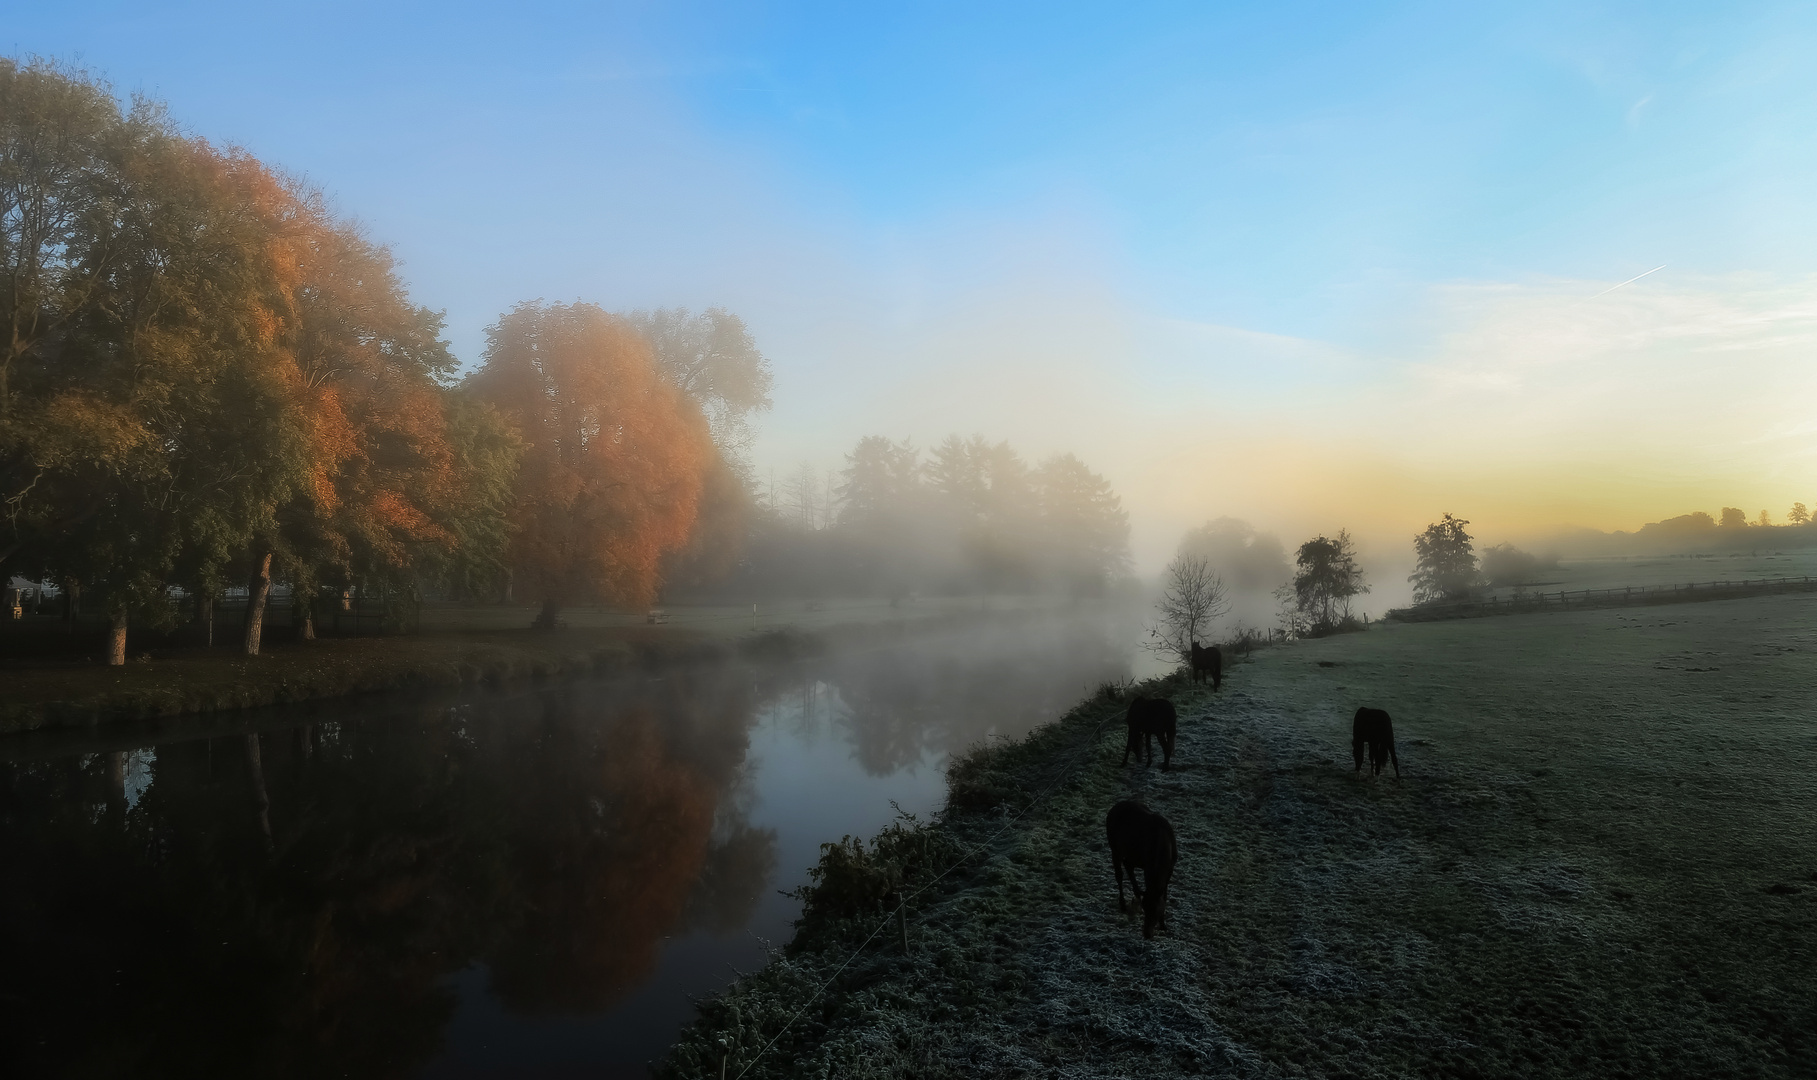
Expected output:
{"points": [[307, 630], [72, 603], [545, 619], [116, 643], [262, 800], [207, 604], [258, 590], [116, 783]]}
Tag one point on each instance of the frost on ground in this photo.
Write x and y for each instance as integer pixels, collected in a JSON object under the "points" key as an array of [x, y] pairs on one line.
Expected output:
{"points": [[1589, 869]]}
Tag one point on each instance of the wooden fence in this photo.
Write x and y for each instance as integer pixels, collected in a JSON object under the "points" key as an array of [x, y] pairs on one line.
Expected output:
{"points": [[1577, 599]]}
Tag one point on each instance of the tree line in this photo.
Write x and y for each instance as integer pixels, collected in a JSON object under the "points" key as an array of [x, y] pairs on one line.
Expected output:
{"points": [[1227, 558], [969, 516], [211, 380]]}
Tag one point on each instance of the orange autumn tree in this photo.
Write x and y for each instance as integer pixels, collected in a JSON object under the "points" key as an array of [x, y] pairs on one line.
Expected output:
{"points": [[614, 459], [370, 366], [404, 479], [206, 374]]}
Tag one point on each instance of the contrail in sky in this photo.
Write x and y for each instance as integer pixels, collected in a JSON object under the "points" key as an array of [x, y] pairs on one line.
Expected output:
{"points": [[1630, 281]]}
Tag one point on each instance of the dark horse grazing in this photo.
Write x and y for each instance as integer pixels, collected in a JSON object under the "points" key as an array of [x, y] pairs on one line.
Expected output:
{"points": [[1151, 717], [1140, 838], [1207, 662], [1374, 728]]}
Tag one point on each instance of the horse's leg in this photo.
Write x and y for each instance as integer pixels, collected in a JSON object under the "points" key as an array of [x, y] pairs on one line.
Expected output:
{"points": [[1116, 867], [1356, 749]]}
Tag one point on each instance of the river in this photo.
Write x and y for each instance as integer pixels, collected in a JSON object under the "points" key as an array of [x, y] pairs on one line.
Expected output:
{"points": [[528, 883]]}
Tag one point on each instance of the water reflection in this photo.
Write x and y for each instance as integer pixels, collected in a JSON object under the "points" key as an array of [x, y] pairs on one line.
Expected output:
{"points": [[528, 882]]}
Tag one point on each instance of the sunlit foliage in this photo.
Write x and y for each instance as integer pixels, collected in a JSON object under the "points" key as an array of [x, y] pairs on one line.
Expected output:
{"points": [[615, 456], [205, 372]]}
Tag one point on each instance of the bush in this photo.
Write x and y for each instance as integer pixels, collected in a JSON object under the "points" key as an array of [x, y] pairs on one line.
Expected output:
{"points": [[1505, 564], [1349, 624], [852, 881]]}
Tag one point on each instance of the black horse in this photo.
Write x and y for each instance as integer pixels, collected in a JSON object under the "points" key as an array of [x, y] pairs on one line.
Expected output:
{"points": [[1207, 663], [1373, 728], [1142, 839], [1151, 717]]}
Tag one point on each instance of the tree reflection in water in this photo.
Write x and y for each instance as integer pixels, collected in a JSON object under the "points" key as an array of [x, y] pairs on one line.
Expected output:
{"points": [[292, 903], [298, 901]]}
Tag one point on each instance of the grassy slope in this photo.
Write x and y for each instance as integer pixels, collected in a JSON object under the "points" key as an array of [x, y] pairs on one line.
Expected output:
{"points": [[1602, 861]]}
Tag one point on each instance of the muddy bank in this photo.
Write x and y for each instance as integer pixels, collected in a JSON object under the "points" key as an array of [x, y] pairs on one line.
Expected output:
{"points": [[1572, 878]]}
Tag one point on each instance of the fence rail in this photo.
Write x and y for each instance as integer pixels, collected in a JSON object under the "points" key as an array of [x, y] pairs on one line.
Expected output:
{"points": [[1577, 599]]}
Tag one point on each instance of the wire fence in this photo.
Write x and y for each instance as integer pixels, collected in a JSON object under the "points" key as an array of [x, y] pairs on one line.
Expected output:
{"points": [[1579, 599]]}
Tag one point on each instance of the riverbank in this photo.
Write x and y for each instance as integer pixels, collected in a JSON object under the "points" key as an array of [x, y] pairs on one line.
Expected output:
{"points": [[63, 692], [76, 693], [1598, 862]]}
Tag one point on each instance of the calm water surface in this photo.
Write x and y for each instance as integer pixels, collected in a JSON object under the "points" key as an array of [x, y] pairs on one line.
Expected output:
{"points": [[523, 884]]}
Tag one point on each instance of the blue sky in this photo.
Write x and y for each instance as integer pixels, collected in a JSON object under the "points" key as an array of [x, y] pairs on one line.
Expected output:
{"points": [[1244, 228]]}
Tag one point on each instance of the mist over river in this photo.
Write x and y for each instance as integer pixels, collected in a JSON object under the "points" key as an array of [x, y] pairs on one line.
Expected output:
{"points": [[528, 882]]}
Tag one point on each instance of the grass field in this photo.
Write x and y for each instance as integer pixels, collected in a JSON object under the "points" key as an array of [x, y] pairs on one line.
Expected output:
{"points": [[1601, 861], [1651, 571]]}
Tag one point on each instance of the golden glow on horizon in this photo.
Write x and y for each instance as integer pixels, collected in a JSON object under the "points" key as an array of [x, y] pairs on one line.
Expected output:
{"points": [[1531, 408]]}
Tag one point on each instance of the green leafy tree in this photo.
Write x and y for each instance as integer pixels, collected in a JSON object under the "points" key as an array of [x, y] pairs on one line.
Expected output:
{"points": [[1445, 561], [475, 511], [206, 375], [141, 388], [1325, 579], [1798, 515]]}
